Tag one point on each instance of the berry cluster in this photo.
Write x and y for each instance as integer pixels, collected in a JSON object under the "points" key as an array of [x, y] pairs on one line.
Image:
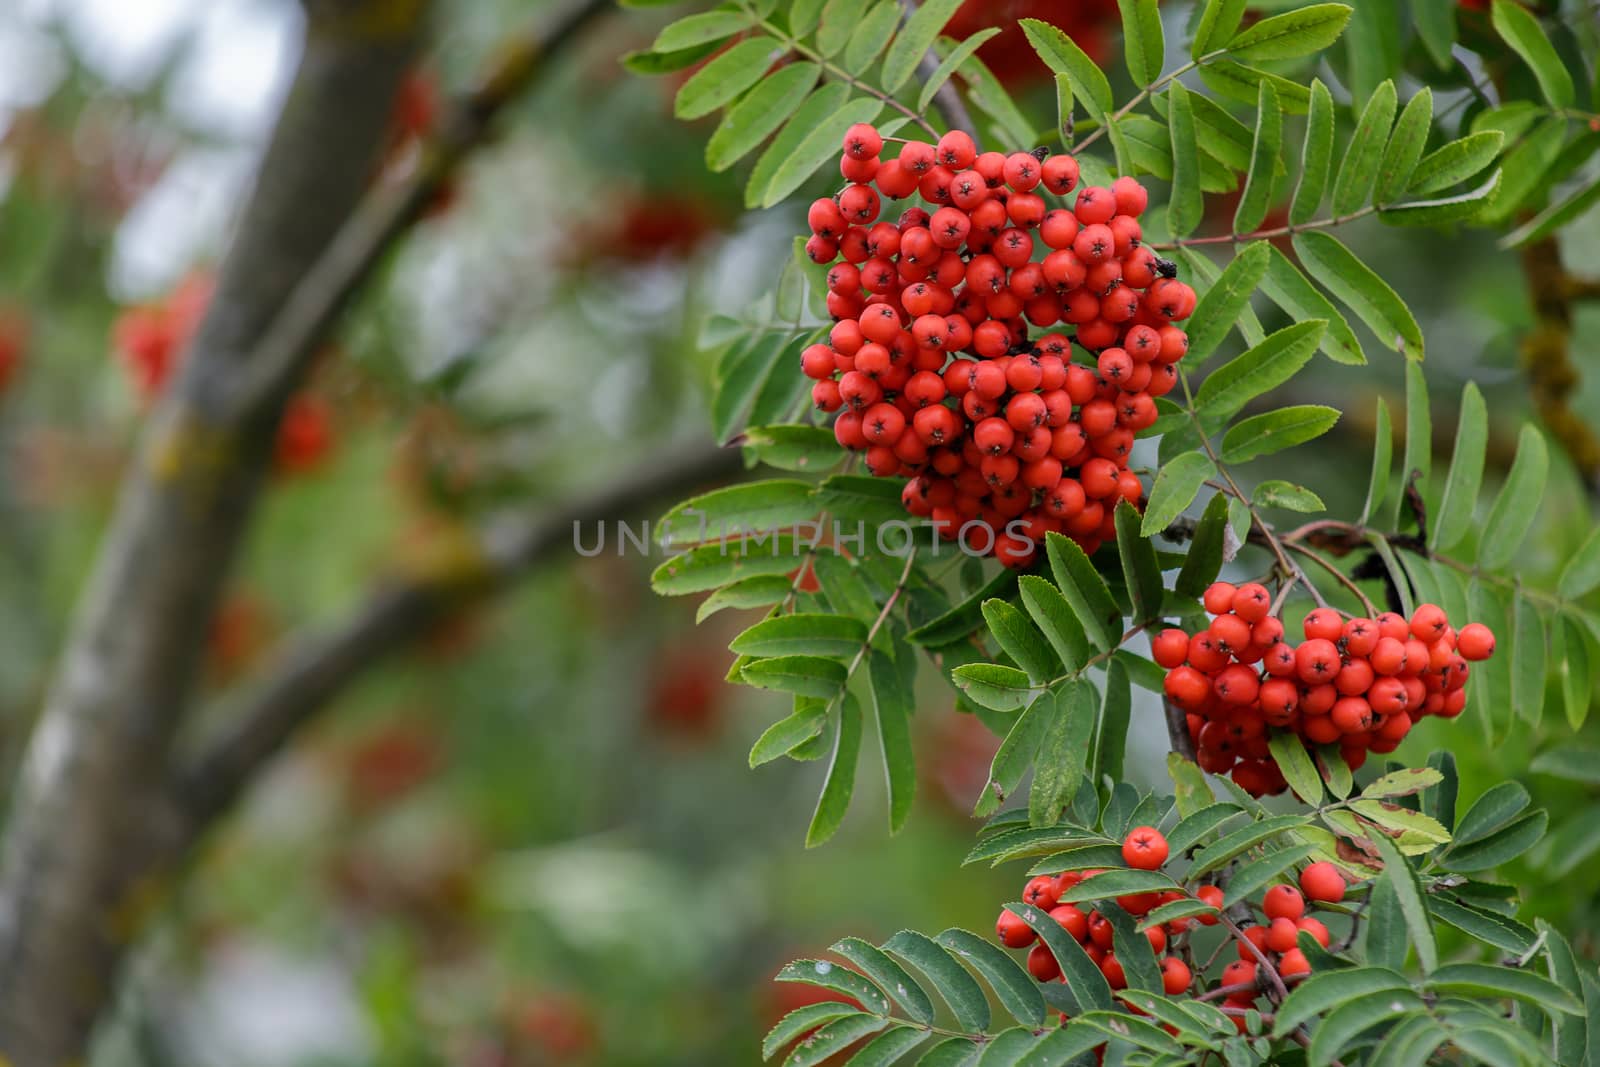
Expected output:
{"points": [[931, 366], [1358, 683], [1274, 939]]}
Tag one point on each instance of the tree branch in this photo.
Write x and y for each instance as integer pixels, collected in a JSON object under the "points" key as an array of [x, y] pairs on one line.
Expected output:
{"points": [[947, 99], [1546, 353], [87, 835], [315, 668]]}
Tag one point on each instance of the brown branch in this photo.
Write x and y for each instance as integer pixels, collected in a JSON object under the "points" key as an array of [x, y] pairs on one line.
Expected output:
{"points": [[1178, 730], [315, 668], [87, 839]]}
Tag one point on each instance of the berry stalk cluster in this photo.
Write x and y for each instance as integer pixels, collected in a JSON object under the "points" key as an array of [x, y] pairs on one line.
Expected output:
{"points": [[1271, 942], [951, 360], [1358, 683]]}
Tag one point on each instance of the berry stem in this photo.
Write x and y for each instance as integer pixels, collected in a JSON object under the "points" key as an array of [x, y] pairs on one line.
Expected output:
{"points": [[1274, 231], [1261, 957], [1340, 576]]}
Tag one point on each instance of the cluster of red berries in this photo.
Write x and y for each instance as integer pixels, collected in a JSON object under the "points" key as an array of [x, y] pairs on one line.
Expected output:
{"points": [[150, 339], [1274, 939], [1358, 683], [930, 364]]}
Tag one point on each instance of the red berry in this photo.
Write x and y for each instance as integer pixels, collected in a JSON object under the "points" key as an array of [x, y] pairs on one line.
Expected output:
{"points": [[1144, 848], [1322, 881]]}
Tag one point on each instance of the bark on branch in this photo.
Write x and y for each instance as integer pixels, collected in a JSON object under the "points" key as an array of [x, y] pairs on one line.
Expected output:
{"points": [[90, 831]]}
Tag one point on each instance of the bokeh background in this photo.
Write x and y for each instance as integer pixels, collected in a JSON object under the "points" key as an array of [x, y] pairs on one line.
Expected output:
{"points": [[534, 838]]}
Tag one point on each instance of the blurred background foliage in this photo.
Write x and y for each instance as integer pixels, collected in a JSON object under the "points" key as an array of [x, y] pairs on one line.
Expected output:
{"points": [[534, 839]]}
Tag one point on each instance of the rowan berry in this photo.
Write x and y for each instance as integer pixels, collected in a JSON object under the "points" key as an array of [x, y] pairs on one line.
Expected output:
{"points": [[1144, 848], [862, 141], [1322, 881], [1475, 642], [1175, 976], [1283, 901]]}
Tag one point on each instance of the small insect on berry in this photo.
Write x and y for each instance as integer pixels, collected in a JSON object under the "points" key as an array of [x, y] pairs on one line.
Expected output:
{"points": [[1144, 848]]}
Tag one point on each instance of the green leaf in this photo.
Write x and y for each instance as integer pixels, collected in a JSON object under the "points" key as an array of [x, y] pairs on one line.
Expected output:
{"points": [[914, 41], [1405, 147], [1192, 790], [1486, 980], [1573, 764], [893, 701], [1015, 754], [1192, 828], [832, 1039], [994, 686], [1358, 170], [1135, 1031], [1322, 993], [803, 1020], [964, 617], [1062, 55], [1519, 29], [757, 592], [1353, 282], [1204, 561], [1215, 855], [1455, 162], [1404, 783], [887, 975], [1187, 204], [1419, 833], [1418, 456], [1276, 493], [1140, 568], [957, 988], [783, 736], [815, 149], [1133, 950], [1441, 801], [834, 800], [1291, 34], [1575, 667], [1582, 572], [1017, 991], [1298, 770], [1111, 728], [1087, 982], [755, 117], [802, 634], [803, 16], [819, 106], [888, 1047], [1491, 929], [839, 979], [859, 496], [1557, 215], [1177, 909], [792, 447], [1274, 431], [1218, 22], [1468, 205], [1502, 846], [1435, 21], [706, 28], [1257, 195], [1316, 157], [1080, 583], [1019, 639], [1176, 485], [1217, 311], [1256, 875], [1063, 751], [1235, 81], [806, 675], [1342, 1025], [1056, 619], [1453, 517], [715, 565], [650, 63], [1527, 167], [726, 76], [1527, 661], [1285, 286], [870, 35], [1259, 370], [1385, 938], [1382, 461], [952, 62], [1142, 39], [1408, 892], [951, 1052], [839, 18]]}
